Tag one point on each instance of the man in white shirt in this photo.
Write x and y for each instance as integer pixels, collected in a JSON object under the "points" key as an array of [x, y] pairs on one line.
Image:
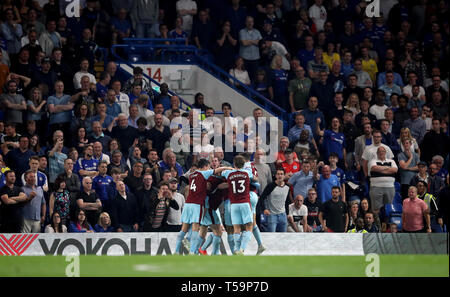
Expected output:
{"points": [[269, 46], [370, 152], [379, 107], [298, 214], [318, 14], [382, 173], [84, 66], [122, 99]]}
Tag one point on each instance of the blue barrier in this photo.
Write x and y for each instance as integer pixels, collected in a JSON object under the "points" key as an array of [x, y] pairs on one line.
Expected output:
{"points": [[155, 50]]}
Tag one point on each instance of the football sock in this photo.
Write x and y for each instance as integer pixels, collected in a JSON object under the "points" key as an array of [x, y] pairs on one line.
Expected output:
{"points": [[257, 234], [207, 242], [179, 240], [245, 239], [230, 239], [216, 245]]}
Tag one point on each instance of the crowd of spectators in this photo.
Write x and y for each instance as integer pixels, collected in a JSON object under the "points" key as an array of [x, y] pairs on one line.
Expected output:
{"points": [[89, 152]]}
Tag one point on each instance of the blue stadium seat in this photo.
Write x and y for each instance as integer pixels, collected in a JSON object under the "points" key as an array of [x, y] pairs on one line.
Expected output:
{"points": [[396, 220], [393, 209]]}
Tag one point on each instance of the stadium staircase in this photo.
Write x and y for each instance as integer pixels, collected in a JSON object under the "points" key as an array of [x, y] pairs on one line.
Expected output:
{"points": [[157, 52]]}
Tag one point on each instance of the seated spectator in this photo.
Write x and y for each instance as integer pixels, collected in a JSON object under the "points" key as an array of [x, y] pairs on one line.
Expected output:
{"points": [[80, 224], [297, 216], [104, 224], [439, 162], [56, 225], [369, 223]]}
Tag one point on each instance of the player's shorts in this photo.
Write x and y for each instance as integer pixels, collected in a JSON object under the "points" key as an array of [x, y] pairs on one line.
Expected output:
{"points": [[211, 216], [253, 201], [241, 213], [227, 212], [192, 213]]}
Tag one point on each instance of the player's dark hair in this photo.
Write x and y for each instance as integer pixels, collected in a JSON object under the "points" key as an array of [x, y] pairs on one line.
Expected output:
{"points": [[202, 163], [239, 161]]}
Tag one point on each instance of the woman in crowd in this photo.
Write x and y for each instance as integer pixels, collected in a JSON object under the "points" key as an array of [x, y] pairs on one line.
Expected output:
{"points": [[80, 223], [104, 223], [56, 225], [59, 201]]}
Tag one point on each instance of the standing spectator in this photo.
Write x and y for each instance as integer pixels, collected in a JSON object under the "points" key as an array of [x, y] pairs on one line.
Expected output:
{"points": [[226, 47], [415, 212], [276, 199], [13, 199], [290, 166], [418, 66], [249, 38], [156, 214], [379, 107], [18, 158], [389, 87], [174, 217], [35, 210], [278, 83], [436, 222], [84, 71], [295, 131], [72, 180], [122, 98], [363, 78], [101, 183], [298, 216], [124, 214], [144, 16], [87, 165], [50, 38], [60, 201], [299, 90], [318, 14], [11, 30], [56, 157], [186, 9], [370, 151], [333, 140], [134, 179], [388, 138], [435, 136], [325, 183], [382, 177], [60, 108], [333, 215], [124, 133], [314, 206], [13, 103], [302, 181], [317, 65], [159, 134], [408, 162], [323, 90], [263, 169], [88, 201], [416, 125], [312, 113]]}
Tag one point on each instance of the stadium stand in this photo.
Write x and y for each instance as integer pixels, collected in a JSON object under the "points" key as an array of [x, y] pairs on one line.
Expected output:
{"points": [[350, 71]]}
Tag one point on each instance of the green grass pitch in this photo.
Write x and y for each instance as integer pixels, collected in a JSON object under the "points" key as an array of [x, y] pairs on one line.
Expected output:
{"points": [[226, 266]]}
